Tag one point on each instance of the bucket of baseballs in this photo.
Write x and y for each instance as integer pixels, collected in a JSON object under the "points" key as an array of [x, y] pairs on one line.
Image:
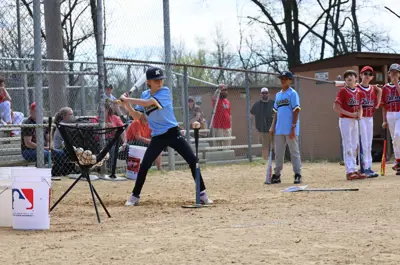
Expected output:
{"points": [[135, 156]]}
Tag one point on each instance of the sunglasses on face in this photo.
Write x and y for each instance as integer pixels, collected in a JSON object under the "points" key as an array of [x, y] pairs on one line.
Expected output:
{"points": [[368, 74], [264, 93]]}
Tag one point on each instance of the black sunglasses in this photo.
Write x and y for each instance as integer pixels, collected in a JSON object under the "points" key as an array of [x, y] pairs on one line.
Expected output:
{"points": [[368, 73]]}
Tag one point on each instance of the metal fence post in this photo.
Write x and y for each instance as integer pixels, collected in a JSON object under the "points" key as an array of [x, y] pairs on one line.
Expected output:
{"points": [[167, 51], [249, 154], [83, 92], [38, 83], [185, 96], [129, 77], [26, 91], [100, 70]]}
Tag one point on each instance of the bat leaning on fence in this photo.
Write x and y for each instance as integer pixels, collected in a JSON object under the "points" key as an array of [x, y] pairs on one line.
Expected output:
{"points": [[50, 132], [383, 161]]}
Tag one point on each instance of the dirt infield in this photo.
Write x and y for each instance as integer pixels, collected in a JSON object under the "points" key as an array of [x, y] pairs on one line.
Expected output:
{"points": [[252, 223]]}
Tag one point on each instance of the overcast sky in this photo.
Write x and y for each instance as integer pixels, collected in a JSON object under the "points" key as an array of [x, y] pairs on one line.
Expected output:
{"points": [[136, 25]]}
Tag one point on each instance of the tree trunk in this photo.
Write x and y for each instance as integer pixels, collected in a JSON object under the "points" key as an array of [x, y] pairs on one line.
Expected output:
{"points": [[296, 34], [54, 44], [287, 19], [355, 25]]}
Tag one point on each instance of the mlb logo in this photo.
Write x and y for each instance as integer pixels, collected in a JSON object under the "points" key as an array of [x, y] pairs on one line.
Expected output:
{"points": [[22, 199]]}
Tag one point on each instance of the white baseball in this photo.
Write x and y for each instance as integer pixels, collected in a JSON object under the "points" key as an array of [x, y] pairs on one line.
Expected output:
{"points": [[93, 160], [81, 159], [79, 151], [87, 154], [196, 125]]}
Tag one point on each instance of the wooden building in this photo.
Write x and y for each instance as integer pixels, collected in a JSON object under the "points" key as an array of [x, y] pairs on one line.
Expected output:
{"points": [[320, 135]]}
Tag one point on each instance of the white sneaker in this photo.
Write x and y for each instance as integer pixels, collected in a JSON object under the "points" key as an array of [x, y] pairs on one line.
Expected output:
{"points": [[132, 201], [204, 198]]}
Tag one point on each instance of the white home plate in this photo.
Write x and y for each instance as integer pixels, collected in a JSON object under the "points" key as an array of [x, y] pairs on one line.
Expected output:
{"points": [[108, 178], [295, 188], [75, 176]]}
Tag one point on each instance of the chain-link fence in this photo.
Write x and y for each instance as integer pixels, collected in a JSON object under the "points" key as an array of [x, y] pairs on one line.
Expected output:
{"points": [[229, 131]]}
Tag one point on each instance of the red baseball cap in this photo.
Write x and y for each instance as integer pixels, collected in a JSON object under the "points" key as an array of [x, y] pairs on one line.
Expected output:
{"points": [[33, 106], [367, 68]]}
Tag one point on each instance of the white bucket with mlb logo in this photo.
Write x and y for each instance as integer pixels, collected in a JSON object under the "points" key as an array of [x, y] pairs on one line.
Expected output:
{"points": [[5, 197], [30, 195], [135, 157]]}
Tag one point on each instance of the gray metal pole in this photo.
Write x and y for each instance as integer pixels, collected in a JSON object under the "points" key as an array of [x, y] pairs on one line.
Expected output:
{"points": [[19, 30], [83, 92], [21, 63], [38, 83], [185, 96], [26, 91], [129, 77], [167, 51], [100, 70], [248, 116]]}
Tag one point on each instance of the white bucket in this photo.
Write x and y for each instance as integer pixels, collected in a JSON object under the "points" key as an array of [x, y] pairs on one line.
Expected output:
{"points": [[135, 156], [5, 197], [5, 206], [31, 188]]}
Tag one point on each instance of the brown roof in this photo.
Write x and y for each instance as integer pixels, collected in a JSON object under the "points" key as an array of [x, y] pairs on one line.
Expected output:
{"points": [[349, 59]]}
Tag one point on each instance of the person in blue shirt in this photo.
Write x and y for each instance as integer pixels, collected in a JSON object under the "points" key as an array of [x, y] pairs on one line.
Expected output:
{"points": [[285, 127], [156, 104]]}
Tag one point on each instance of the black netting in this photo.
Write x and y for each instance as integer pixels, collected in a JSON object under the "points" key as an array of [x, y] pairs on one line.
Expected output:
{"points": [[87, 140]]}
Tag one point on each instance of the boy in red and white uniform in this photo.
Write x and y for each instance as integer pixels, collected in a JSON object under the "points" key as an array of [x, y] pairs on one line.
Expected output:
{"points": [[370, 100], [391, 111], [348, 105]]}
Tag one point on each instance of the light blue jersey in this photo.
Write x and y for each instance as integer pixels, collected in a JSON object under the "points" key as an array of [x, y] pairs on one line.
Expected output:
{"points": [[285, 104], [160, 116], [111, 97]]}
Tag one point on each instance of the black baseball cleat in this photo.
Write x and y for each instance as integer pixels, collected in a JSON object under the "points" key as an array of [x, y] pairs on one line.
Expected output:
{"points": [[275, 179], [297, 179]]}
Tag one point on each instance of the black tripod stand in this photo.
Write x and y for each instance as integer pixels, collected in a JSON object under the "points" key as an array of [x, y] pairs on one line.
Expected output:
{"points": [[88, 138]]}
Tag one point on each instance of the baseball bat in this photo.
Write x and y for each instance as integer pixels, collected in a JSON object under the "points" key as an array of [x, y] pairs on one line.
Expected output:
{"points": [[197, 171], [383, 161], [138, 83], [214, 110], [360, 151], [339, 189], [269, 167], [50, 131], [340, 83]]}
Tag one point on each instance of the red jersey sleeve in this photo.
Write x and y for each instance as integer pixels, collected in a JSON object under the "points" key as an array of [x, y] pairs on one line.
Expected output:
{"points": [[340, 97], [384, 95]]}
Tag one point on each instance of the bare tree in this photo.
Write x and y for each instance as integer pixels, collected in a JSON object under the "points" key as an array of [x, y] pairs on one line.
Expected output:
{"points": [[222, 57], [391, 11], [54, 44], [336, 28], [76, 29]]}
